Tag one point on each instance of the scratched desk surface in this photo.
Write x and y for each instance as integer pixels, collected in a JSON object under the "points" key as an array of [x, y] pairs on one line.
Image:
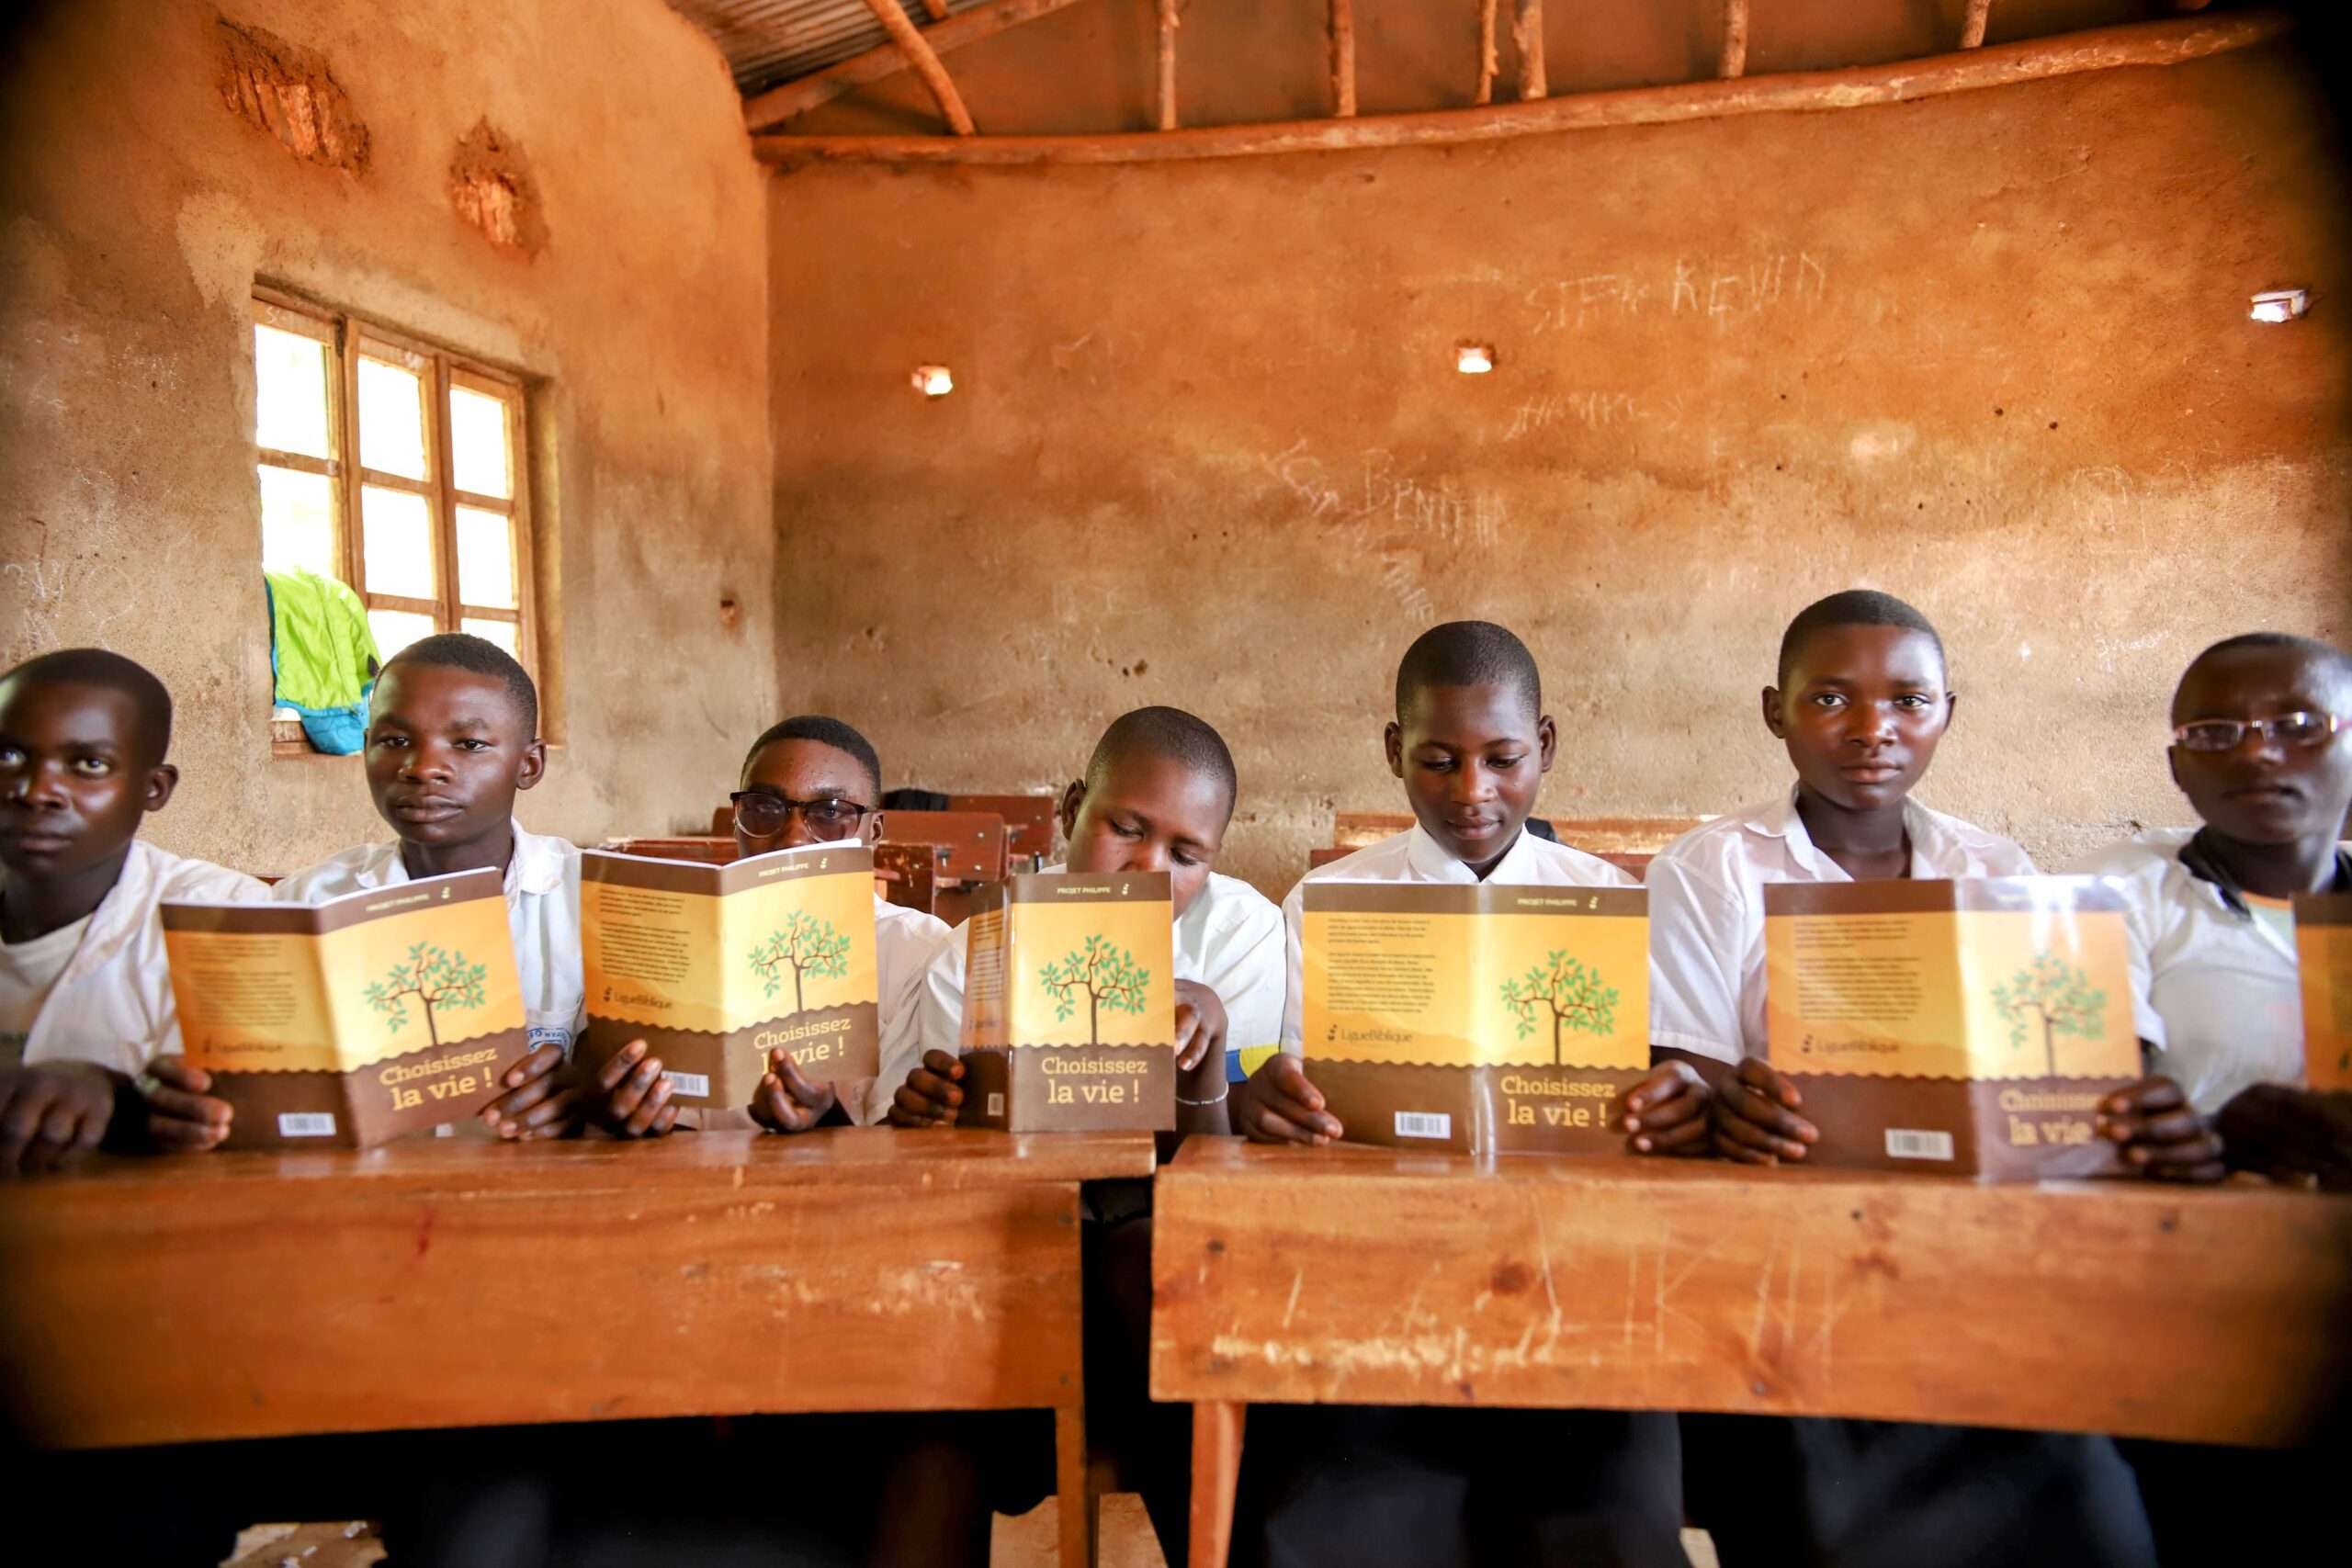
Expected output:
{"points": [[1369, 1276], [439, 1282]]}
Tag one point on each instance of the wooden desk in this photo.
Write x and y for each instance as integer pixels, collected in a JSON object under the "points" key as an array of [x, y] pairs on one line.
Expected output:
{"points": [[439, 1282], [1370, 1276]]}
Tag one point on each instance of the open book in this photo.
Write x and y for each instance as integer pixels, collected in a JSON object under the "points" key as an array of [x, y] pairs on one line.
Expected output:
{"points": [[2324, 954], [353, 1020]]}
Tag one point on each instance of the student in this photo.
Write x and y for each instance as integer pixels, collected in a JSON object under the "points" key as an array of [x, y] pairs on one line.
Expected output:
{"points": [[1860, 702], [2258, 749], [85, 993], [452, 736], [1369, 1485], [1157, 796], [809, 780]]}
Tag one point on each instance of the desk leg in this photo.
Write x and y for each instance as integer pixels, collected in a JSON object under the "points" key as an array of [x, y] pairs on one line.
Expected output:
{"points": [[1076, 1506], [1216, 1467]]}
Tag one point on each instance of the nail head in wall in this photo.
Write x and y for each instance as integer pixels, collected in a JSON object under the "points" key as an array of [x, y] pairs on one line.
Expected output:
{"points": [[729, 612], [287, 91], [490, 185]]}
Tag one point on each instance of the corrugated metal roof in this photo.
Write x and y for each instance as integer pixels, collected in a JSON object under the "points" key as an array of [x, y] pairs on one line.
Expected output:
{"points": [[767, 42]]}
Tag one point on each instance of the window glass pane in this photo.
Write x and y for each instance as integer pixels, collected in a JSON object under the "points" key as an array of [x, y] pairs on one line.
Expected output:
{"points": [[296, 521], [391, 420], [395, 630], [478, 444], [485, 558], [396, 536], [290, 392], [500, 632]]}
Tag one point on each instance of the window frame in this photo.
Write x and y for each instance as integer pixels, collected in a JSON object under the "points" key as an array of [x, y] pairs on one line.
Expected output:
{"points": [[348, 339]]}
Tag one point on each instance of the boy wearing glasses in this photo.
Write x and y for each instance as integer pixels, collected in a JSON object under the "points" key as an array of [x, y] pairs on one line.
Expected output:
{"points": [[2258, 747], [809, 780]]}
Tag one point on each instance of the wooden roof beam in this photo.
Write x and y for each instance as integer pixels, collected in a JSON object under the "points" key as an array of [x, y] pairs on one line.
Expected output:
{"points": [[1527, 34], [1972, 26], [1167, 26], [773, 107], [1343, 59], [909, 41], [1733, 64]]}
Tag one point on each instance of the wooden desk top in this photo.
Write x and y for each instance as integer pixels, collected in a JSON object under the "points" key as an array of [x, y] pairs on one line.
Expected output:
{"points": [[1375, 1276]]}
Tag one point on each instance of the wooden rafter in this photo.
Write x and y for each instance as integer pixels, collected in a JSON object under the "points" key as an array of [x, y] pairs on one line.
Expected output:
{"points": [[2170, 42], [1972, 26], [1168, 23], [1735, 61], [936, 9], [1527, 35], [909, 39], [1487, 65], [1343, 58], [773, 107]]}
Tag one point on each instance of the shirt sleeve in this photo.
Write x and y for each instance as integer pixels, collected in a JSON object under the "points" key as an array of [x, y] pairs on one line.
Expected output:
{"points": [[1249, 973], [932, 1021], [1695, 956]]}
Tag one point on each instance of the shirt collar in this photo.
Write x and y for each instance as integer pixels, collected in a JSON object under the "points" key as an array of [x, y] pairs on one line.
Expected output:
{"points": [[534, 867], [1433, 864], [1929, 841]]}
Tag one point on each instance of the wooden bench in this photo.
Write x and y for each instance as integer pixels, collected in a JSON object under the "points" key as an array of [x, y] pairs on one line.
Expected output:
{"points": [[441, 1282], [1369, 1276], [1628, 843], [1029, 821]]}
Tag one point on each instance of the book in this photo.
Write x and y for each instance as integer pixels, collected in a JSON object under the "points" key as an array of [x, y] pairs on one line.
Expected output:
{"points": [[2323, 959], [1482, 1019], [353, 1020], [712, 967], [1069, 1004], [1967, 1028]]}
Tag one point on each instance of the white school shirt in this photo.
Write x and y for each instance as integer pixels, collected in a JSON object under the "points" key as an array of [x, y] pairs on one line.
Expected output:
{"points": [[2217, 993], [1230, 939], [112, 1004], [1707, 912], [542, 911], [1414, 856]]}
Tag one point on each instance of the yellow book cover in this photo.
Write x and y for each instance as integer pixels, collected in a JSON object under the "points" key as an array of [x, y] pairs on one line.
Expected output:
{"points": [[353, 1020], [2323, 957], [1967, 1027], [1475, 1018], [712, 967], [1069, 1003]]}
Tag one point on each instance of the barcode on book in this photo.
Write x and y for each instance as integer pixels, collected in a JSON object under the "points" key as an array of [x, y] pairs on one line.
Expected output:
{"points": [[1424, 1124], [1909, 1143], [305, 1124], [689, 1083]]}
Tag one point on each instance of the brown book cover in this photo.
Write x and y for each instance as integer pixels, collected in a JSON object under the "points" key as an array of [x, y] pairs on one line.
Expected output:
{"points": [[2323, 957], [1481, 1018], [715, 965], [353, 1021], [1964, 1028], [1069, 1004]]}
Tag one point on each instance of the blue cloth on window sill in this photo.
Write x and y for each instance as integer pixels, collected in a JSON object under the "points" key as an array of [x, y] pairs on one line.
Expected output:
{"points": [[338, 732]]}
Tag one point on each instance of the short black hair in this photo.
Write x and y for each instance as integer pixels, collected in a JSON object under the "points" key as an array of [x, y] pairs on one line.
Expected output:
{"points": [[1171, 733], [1854, 607], [1468, 653], [111, 671], [824, 731], [2334, 664], [479, 656]]}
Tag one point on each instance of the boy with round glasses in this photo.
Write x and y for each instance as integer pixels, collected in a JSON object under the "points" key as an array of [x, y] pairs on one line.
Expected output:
{"points": [[809, 780], [2258, 749]]}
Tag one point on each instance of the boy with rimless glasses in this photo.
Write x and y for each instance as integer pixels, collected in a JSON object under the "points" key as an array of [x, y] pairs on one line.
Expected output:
{"points": [[2258, 749], [809, 780]]}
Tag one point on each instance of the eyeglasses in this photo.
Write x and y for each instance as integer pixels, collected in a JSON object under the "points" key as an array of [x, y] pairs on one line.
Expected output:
{"points": [[763, 816], [2287, 728]]}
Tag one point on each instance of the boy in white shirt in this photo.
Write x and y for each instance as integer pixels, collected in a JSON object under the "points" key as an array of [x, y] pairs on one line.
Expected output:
{"points": [[453, 733], [2258, 749], [1860, 701], [85, 993], [807, 781]]}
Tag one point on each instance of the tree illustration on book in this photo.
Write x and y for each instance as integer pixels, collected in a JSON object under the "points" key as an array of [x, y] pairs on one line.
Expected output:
{"points": [[1572, 996], [806, 949], [1105, 976], [439, 980], [2057, 998]]}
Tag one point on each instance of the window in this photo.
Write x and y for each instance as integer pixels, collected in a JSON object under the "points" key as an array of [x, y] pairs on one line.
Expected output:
{"points": [[397, 468]]}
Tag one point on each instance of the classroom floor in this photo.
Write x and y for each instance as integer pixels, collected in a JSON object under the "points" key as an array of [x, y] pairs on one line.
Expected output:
{"points": [[1026, 1541]]}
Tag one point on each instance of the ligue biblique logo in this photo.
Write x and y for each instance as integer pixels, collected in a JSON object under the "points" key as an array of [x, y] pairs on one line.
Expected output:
{"points": [[1572, 996], [1106, 976], [2050, 996], [806, 949], [439, 980]]}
